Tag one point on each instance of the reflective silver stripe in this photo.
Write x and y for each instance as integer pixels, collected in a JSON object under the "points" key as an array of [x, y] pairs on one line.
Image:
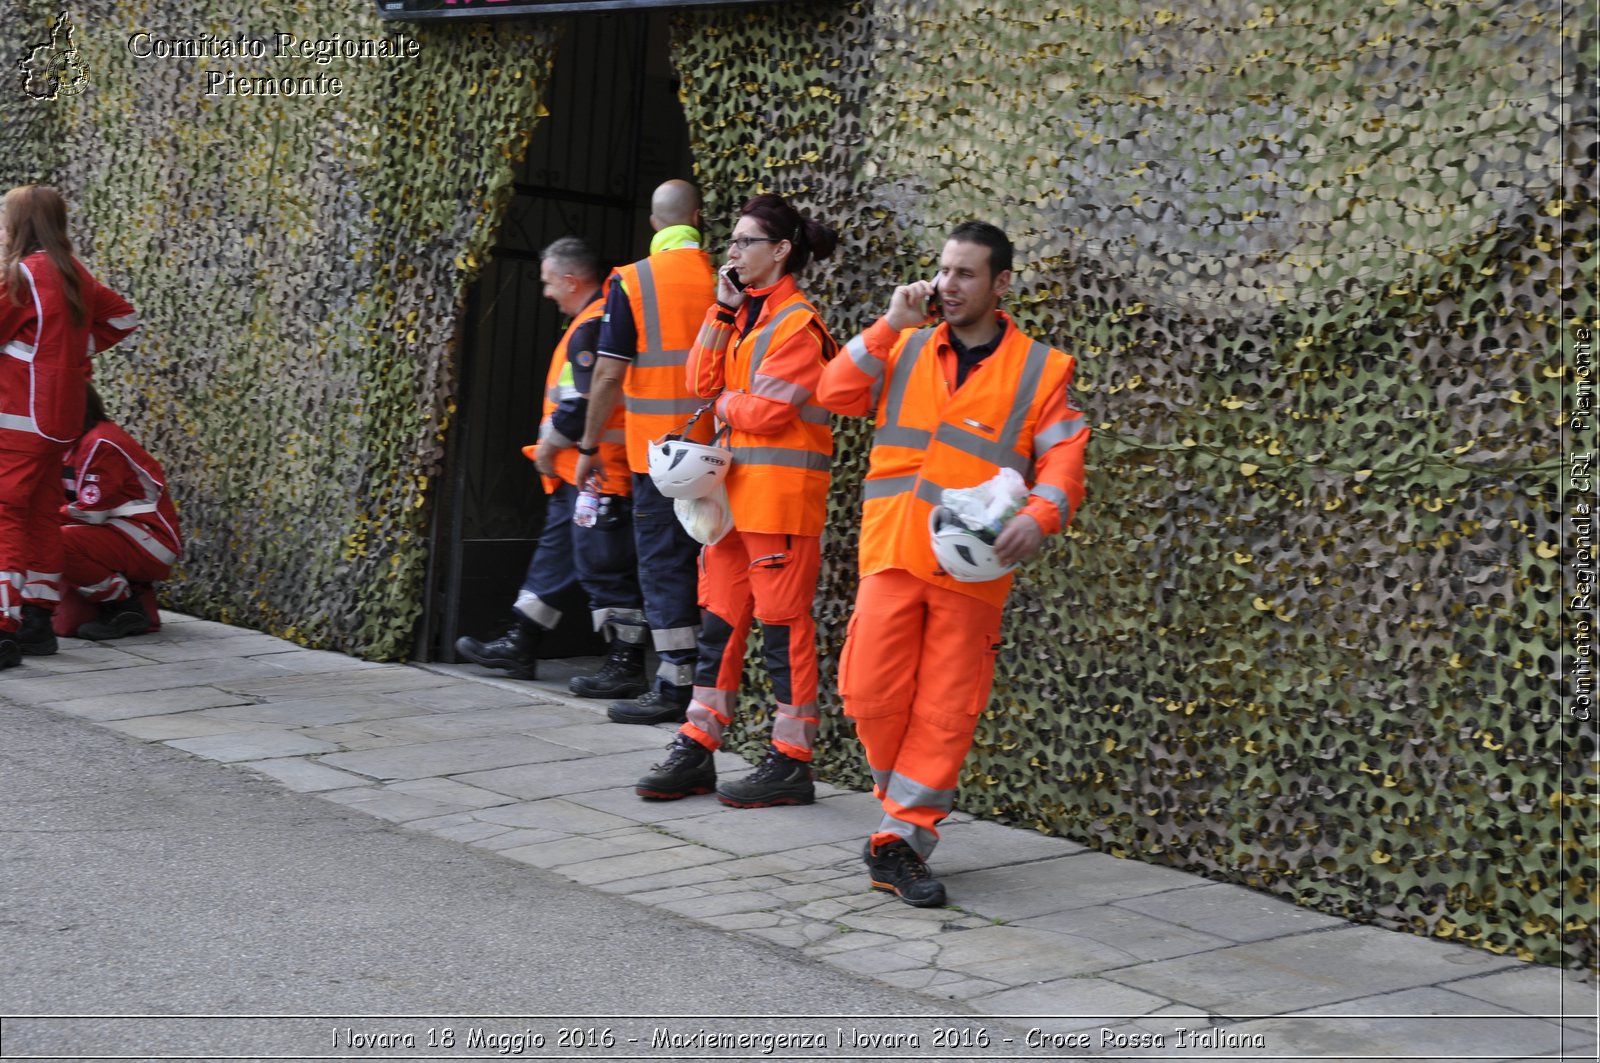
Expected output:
{"points": [[704, 719], [676, 407], [11, 595], [795, 730], [923, 841], [614, 435], [1053, 495], [1056, 433], [880, 779], [18, 423], [930, 492], [886, 487], [656, 359], [537, 610], [863, 358], [897, 435], [677, 675], [111, 588], [129, 321], [720, 701], [813, 414], [21, 351], [992, 451], [1027, 389], [675, 638], [787, 457], [771, 387], [769, 330], [146, 542], [900, 379], [649, 309], [908, 793]]}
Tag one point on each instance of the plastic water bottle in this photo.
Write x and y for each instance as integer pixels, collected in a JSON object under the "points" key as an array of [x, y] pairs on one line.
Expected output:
{"points": [[587, 509]]}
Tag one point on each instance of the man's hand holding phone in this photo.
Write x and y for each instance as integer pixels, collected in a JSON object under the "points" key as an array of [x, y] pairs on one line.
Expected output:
{"points": [[913, 304]]}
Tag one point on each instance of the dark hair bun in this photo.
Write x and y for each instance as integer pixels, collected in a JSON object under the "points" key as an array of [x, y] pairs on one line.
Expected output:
{"points": [[820, 238]]}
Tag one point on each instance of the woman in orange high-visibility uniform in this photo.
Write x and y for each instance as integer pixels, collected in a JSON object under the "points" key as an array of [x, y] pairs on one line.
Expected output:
{"points": [[760, 355], [53, 316]]}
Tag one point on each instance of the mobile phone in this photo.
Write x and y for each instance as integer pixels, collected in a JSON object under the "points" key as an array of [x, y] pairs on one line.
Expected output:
{"points": [[933, 297], [733, 278]]}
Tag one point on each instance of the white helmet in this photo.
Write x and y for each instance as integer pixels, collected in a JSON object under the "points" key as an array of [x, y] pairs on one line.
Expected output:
{"points": [[963, 553], [682, 469]]}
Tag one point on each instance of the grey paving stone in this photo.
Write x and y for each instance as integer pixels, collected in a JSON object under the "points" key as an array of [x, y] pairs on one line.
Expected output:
{"points": [[301, 661], [791, 937], [146, 703], [74, 657], [1537, 991], [458, 757], [871, 962], [468, 696], [1015, 955], [467, 832], [602, 737], [178, 725], [1021, 891], [182, 626], [722, 904], [743, 920], [555, 814], [131, 679], [351, 737], [623, 801], [703, 878], [974, 845], [1288, 974], [570, 852], [1066, 1006], [515, 839], [1233, 912], [565, 778], [302, 776], [451, 793], [768, 830], [251, 745], [388, 805], [239, 644], [1141, 936], [371, 679], [655, 855], [316, 712], [478, 723]]}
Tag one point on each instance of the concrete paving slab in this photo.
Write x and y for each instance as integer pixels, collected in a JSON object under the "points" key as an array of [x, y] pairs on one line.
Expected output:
{"points": [[1233, 912], [447, 758], [449, 792], [564, 778], [178, 725], [1062, 1006], [268, 682], [130, 679], [389, 805], [352, 737], [103, 707], [975, 844], [478, 723], [75, 656], [1308, 970], [1537, 991], [467, 696], [317, 712], [248, 644], [182, 626], [302, 776], [301, 661], [1014, 955], [554, 814], [657, 855], [252, 745], [750, 831], [570, 852], [1143, 937], [603, 737], [1082, 880]]}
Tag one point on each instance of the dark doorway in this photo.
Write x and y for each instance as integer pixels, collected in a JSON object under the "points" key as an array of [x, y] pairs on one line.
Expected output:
{"points": [[615, 130]]}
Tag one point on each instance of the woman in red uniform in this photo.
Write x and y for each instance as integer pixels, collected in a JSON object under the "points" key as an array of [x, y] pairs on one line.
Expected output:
{"points": [[760, 354], [53, 316]]}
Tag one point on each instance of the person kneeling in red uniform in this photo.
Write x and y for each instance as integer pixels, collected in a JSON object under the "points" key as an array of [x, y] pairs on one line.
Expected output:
{"points": [[120, 528]]}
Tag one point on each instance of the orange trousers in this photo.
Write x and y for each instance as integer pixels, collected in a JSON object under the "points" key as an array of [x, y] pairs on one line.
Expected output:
{"points": [[773, 578], [915, 675]]}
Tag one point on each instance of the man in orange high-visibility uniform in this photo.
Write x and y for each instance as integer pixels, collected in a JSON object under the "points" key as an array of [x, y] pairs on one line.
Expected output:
{"points": [[653, 312], [953, 405]]}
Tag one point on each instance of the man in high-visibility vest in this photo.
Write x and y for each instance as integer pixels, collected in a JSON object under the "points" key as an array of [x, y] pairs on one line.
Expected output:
{"points": [[653, 311], [953, 404], [598, 557]]}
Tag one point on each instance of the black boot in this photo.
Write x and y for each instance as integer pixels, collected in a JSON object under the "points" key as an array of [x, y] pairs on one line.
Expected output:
{"points": [[778, 780], [688, 770], [621, 674], [10, 652], [894, 867], [117, 620], [650, 707], [36, 638], [515, 652]]}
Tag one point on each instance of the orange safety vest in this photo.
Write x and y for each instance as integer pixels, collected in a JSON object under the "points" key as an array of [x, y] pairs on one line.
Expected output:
{"points": [[558, 386], [928, 439], [779, 482], [669, 293]]}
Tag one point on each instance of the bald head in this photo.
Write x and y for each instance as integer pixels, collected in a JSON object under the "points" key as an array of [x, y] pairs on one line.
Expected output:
{"points": [[675, 203]]}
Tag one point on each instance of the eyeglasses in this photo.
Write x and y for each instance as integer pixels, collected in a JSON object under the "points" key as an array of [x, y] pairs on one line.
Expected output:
{"points": [[743, 242]]}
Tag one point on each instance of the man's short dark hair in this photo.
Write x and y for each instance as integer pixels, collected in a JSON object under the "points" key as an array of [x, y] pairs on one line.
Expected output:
{"points": [[573, 255], [990, 236]]}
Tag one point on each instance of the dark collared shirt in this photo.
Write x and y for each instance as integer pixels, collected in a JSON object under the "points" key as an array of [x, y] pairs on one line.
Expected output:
{"points": [[968, 358]]}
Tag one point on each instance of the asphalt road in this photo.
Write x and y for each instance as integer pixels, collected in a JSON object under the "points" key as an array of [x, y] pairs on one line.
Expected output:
{"points": [[138, 881]]}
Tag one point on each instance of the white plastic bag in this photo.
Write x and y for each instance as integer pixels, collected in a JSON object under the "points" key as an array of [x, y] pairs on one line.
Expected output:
{"points": [[706, 519], [986, 508]]}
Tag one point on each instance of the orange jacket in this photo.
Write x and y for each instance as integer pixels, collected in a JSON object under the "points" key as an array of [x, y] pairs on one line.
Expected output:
{"points": [[1012, 411], [782, 446], [558, 385], [669, 293]]}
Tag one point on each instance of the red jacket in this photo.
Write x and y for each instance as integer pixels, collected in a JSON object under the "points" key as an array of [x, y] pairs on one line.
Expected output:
{"points": [[118, 484], [44, 358]]}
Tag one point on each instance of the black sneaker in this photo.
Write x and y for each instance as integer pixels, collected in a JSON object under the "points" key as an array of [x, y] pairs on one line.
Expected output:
{"points": [[649, 707], [778, 780], [515, 652], [10, 652], [621, 675], [117, 620], [36, 637], [895, 867], [688, 770]]}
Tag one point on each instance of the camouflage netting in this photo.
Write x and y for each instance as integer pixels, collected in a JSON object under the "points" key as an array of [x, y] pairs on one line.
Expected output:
{"points": [[299, 265], [1322, 267]]}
